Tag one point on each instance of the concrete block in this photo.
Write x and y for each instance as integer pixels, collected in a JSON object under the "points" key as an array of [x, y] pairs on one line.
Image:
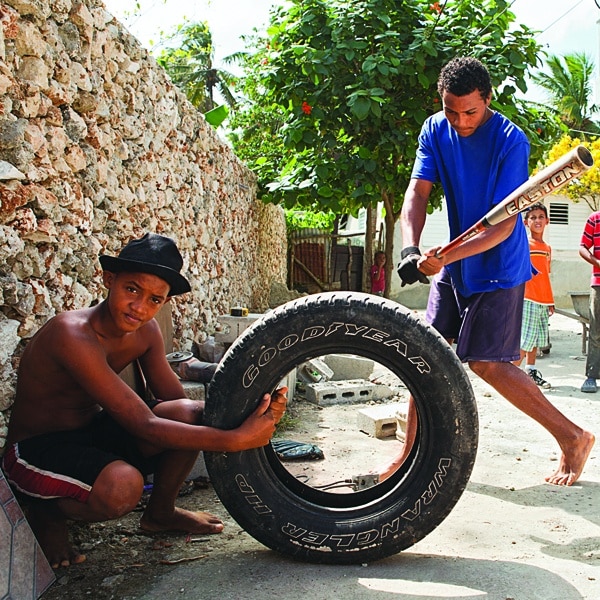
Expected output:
{"points": [[234, 327], [401, 429], [197, 391], [314, 371], [346, 366], [384, 420], [345, 392], [289, 381], [194, 390]]}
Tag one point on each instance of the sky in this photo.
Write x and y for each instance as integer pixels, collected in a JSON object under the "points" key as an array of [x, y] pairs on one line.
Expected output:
{"points": [[565, 26]]}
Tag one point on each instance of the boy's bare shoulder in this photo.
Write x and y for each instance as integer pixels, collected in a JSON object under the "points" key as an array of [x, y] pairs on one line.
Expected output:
{"points": [[71, 317], [67, 334], [73, 322]]}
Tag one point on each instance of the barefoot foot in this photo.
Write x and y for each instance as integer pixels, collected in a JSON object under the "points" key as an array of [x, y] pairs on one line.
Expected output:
{"points": [[74, 559], [50, 530], [572, 461], [182, 520]]}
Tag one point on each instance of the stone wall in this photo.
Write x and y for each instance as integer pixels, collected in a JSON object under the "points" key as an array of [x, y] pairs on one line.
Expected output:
{"points": [[97, 146]]}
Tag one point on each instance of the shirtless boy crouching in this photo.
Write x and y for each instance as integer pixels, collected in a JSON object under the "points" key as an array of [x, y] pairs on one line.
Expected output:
{"points": [[80, 441]]}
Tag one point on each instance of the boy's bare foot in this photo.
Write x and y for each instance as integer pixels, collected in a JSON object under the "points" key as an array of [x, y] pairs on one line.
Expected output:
{"points": [[58, 550], [572, 462], [182, 520], [50, 530]]}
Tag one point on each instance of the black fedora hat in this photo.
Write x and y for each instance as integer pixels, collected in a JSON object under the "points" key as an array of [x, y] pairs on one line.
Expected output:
{"points": [[155, 254]]}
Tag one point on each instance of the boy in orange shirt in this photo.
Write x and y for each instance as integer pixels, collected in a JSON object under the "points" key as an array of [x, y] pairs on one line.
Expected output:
{"points": [[539, 300]]}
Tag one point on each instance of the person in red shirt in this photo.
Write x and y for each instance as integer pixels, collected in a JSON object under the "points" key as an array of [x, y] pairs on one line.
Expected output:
{"points": [[378, 274], [589, 250], [538, 304]]}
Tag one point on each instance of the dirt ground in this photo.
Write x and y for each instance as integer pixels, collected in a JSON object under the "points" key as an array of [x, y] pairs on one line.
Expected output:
{"points": [[121, 559], [511, 536]]}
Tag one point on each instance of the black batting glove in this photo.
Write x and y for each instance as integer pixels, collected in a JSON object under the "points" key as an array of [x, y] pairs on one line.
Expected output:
{"points": [[407, 269]]}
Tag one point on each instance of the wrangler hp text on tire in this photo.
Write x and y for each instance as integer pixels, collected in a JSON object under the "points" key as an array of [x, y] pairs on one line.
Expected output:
{"points": [[318, 525]]}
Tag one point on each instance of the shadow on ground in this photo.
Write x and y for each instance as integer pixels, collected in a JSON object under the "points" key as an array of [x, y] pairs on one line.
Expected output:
{"points": [[582, 499], [406, 576]]}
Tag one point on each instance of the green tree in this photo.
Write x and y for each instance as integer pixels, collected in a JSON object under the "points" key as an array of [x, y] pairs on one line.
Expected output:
{"points": [[188, 60], [569, 88], [340, 89]]}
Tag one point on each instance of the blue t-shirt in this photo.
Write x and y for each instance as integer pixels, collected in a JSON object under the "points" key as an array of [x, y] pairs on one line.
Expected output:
{"points": [[477, 172]]}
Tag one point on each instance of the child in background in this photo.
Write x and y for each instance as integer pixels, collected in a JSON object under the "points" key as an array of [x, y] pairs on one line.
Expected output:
{"points": [[539, 300], [378, 274], [589, 250]]}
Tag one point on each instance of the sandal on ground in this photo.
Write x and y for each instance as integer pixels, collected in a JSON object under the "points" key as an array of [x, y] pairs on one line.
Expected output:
{"points": [[589, 386]]}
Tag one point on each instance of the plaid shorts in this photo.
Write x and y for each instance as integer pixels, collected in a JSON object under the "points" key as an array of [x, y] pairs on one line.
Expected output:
{"points": [[534, 329]]}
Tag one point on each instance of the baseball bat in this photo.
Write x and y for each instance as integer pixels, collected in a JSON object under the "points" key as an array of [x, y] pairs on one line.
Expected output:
{"points": [[555, 176]]}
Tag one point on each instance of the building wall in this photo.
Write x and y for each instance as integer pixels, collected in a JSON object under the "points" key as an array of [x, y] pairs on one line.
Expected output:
{"points": [[96, 147]]}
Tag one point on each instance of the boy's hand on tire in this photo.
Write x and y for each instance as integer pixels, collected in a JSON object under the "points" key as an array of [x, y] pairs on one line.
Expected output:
{"points": [[278, 403]]}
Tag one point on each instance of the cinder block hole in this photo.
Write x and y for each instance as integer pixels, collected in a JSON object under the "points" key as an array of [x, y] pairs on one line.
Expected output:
{"points": [[329, 396], [347, 394]]}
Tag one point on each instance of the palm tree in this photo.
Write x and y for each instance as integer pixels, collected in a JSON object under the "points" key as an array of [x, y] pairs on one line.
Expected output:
{"points": [[569, 86], [190, 66]]}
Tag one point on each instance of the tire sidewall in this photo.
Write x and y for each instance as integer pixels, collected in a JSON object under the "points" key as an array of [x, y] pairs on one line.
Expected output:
{"points": [[294, 519]]}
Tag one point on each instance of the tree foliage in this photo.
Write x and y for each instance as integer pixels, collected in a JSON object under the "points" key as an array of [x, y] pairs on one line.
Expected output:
{"points": [[339, 90], [587, 187], [188, 60], [298, 219], [569, 88]]}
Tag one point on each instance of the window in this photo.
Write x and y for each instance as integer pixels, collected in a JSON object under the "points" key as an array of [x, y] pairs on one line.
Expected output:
{"points": [[559, 213]]}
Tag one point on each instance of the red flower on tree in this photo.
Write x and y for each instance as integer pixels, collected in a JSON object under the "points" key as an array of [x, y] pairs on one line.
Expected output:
{"points": [[306, 108], [435, 7]]}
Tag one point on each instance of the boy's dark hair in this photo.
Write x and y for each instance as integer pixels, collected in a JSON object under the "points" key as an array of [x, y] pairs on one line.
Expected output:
{"points": [[536, 206], [463, 75]]}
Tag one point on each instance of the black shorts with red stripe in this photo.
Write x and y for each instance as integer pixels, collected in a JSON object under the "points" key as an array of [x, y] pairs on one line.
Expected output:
{"points": [[65, 464]]}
